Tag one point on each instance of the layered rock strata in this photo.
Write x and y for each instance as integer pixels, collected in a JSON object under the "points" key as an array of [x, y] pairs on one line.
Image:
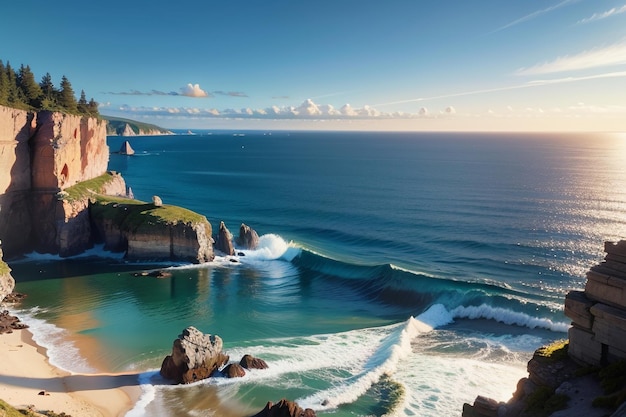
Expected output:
{"points": [[598, 333], [597, 338]]}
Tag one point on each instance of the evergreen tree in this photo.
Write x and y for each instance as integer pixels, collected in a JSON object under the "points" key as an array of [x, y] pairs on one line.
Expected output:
{"points": [[49, 93], [82, 103], [92, 108], [14, 98], [67, 99], [29, 88], [4, 85]]}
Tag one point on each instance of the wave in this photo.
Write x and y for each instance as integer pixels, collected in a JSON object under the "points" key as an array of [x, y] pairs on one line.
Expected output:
{"points": [[383, 361]]}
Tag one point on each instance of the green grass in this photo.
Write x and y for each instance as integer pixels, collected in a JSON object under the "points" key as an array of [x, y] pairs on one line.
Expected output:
{"points": [[556, 351], [86, 189], [543, 402], [135, 215]]}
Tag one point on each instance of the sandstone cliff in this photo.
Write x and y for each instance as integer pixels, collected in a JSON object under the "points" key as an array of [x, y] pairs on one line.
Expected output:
{"points": [[7, 283], [41, 154], [148, 231]]}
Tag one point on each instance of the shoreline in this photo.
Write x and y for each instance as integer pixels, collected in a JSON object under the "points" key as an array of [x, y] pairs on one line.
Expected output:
{"points": [[25, 372]]}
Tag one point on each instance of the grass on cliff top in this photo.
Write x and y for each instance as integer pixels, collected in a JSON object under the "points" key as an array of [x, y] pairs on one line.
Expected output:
{"points": [[133, 214], [9, 411], [556, 351], [86, 189]]}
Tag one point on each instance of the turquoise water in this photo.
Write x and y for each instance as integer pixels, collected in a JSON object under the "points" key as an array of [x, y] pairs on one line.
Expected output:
{"points": [[398, 273]]}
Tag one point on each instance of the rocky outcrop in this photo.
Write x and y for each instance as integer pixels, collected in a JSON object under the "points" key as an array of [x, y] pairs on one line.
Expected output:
{"points": [[597, 338], [248, 237], [285, 408], [146, 231], [250, 362], [195, 356], [598, 333], [7, 283], [224, 241]]}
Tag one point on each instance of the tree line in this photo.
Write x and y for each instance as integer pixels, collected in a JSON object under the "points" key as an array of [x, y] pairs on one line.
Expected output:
{"points": [[18, 89]]}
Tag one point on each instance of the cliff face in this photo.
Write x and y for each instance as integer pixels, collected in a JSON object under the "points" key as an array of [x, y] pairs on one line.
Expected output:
{"points": [[41, 154], [7, 283], [146, 231]]}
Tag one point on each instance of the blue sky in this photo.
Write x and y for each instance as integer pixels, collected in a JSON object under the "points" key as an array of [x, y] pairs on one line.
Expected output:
{"points": [[342, 64]]}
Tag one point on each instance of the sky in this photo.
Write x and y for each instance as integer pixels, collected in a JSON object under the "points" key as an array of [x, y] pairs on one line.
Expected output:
{"points": [[495, 65]]}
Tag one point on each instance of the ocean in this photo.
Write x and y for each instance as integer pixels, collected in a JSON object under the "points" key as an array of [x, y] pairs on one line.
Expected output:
{"points": [[398, 274]]}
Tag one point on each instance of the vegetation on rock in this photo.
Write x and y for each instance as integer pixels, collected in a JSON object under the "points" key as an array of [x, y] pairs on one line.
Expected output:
{"points": [[613, 382], [19, 90], [556, 351], [86, 189]]}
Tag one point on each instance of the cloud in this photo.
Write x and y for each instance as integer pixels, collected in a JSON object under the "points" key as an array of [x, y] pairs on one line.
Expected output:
{"points": [[193, 90], [190, 90], [595, 58], [534, 15], [307, 110], [230, 93], [601, 16]]}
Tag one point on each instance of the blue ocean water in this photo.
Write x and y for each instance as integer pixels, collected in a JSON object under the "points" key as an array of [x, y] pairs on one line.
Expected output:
{"points": [[398, 273]]}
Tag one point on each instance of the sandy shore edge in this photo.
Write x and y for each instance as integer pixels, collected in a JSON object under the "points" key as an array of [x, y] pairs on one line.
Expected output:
{"points": [[25, 372]]}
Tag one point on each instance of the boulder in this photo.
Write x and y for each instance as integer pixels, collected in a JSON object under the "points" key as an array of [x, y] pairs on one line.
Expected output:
{"points": [[250, 362], [224, 241], [195, 356], [284, 408], [233, 370], [248, 237], [156, 200]]}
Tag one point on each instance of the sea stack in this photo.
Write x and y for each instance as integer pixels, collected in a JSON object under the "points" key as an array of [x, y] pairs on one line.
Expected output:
{"points": [[126, 149]]}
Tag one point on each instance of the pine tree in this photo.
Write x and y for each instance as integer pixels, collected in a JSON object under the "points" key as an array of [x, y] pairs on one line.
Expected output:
{"points": [[67, 100], [15, 98], [49, 93], [92, 108], [30, 89], [82, 103], [4, 85]]}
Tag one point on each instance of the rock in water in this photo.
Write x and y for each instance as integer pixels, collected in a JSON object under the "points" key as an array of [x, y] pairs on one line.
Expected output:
{"points": [[248, 237], [284, 408], [225, 240], [250, 362], [195, 356], [234, 371]]}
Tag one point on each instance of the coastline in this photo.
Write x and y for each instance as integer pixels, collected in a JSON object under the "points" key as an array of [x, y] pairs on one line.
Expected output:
{"points": [[25, 372]]}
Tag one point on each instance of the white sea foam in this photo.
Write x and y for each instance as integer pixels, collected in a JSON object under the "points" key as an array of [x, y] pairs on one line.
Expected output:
{"points": [[271, 247], [509, 317], [61, 352], [97, 251], [390, 350], [148, 394]]}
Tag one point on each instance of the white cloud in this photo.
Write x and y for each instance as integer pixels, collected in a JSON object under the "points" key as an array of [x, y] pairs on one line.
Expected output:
{"points": [[449, 110], [423, 111], [308, 108], [347, 110], [600, 16], [193, 90], [595, 58]]}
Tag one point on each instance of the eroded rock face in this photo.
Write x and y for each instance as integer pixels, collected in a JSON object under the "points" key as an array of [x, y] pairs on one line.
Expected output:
{"points": [[284, 408], [7, 283], [248, 237], [224, 241], [195, 356]]}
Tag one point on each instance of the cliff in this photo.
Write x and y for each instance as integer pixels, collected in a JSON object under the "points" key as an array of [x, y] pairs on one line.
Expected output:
{"points": [[53, 183], [585, 375], [149, 231], [42, 154]]}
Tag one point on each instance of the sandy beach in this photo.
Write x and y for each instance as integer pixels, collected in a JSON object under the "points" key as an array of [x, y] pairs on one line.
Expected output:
{"points": [[25, 372]]}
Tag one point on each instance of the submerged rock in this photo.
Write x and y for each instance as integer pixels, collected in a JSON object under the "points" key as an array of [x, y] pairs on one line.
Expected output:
{"points": [[195, 356], [234, 370], [285, 408]]}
